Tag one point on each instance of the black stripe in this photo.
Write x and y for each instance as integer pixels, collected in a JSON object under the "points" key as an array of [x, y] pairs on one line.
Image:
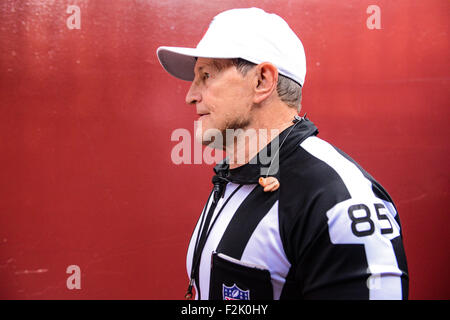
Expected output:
{"points": [[245, 220], [400, 255]]}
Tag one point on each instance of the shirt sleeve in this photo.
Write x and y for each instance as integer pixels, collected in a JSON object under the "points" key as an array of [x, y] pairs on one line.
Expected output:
{"points": [[350, 250]]}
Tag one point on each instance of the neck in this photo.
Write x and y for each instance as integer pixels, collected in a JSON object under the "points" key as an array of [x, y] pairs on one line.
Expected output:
{"points": [[247, 143]]}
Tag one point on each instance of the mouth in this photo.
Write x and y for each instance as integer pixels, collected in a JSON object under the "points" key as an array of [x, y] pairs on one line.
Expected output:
{"points": [[201, 115]]}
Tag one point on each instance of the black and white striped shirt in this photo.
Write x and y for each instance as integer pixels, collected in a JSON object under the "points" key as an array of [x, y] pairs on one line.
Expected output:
{"points": [[329, 232]]}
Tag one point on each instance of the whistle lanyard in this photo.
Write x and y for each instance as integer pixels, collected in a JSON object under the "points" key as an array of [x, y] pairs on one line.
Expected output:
{"points": [[202, 235]]}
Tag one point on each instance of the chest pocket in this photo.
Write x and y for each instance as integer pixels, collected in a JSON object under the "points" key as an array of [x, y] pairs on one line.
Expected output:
{"points": [[232, 279]]}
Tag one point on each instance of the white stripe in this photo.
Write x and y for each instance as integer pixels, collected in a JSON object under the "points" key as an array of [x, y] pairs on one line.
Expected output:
{"points": [[385, 281], [266, 249]]}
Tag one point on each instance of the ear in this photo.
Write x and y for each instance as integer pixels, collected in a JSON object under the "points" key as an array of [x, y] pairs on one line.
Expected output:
{"points": [[266, 81]]}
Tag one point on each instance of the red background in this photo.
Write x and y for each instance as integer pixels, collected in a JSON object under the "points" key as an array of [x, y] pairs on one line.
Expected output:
{"points": [[86, 117]]}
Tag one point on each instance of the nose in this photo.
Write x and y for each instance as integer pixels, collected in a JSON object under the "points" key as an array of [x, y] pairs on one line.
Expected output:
{"points": [[193, 96]]}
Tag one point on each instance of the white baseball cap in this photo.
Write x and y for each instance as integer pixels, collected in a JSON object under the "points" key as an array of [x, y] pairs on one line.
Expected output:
{"points": [[251, 34]]}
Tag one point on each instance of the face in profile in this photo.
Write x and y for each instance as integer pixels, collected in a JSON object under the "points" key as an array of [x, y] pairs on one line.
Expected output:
{"points": [[222, 96]]}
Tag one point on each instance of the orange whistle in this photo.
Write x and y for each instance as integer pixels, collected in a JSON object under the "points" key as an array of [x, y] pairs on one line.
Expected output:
{"points": [[269, 184]]}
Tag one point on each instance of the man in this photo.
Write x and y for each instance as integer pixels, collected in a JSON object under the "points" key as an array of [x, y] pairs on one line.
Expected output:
{"points": [[308, 224]]}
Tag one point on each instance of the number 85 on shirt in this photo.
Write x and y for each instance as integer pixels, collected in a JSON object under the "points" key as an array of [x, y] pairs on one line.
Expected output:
{"points": [[372, 224]]}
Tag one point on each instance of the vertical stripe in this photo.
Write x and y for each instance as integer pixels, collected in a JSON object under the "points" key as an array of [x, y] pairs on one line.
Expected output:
{"points": [[265, 248]]}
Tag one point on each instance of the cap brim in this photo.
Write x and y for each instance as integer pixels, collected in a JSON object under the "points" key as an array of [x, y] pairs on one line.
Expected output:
{"points": [[180, 62]]}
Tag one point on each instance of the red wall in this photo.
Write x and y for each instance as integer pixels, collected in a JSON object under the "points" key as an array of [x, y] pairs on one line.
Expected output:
{"points": [[86, 116]]}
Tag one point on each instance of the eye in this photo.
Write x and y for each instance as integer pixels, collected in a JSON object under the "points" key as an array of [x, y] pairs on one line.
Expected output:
{"points": [[206, 75]]}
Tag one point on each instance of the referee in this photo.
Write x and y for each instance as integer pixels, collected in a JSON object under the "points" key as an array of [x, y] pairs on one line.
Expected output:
{"points": [[308, 224]]}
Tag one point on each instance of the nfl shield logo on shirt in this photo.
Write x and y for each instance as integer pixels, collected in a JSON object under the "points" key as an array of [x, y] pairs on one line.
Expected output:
{"points": [[235, 293]]}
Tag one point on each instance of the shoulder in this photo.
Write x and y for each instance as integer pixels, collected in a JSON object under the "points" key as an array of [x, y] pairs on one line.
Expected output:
{"points": [[314, 179], [315, 170], [317, 167]]}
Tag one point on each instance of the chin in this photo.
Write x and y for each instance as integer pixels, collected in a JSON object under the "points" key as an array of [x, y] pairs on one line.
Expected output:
{"points": [[211, 137]]}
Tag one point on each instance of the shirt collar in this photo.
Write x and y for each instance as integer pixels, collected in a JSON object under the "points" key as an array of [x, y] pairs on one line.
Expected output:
{"points": [[250, 172]]}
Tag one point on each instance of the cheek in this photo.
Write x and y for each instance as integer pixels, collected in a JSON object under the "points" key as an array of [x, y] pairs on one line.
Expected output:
{"points": [[228, 102], [240, 100]]}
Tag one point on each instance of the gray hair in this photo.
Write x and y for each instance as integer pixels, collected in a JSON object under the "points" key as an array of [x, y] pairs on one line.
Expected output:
{"points": [[289, 91]]}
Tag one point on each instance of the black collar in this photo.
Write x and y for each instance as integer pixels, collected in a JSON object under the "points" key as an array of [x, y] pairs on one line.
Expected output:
{"points": [[249, 173]]}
